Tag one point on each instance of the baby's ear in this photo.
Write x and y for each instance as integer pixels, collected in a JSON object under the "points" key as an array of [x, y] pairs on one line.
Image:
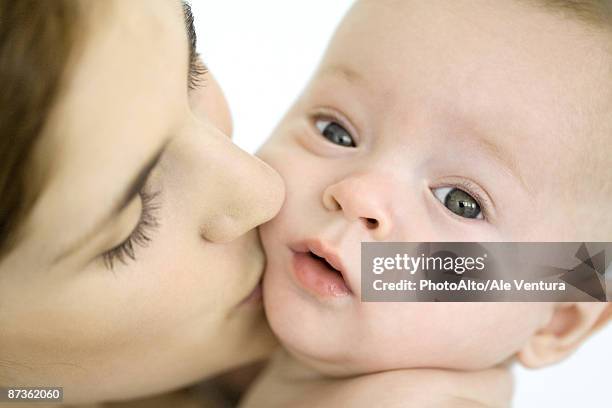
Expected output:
{"points": [[570, 325]]}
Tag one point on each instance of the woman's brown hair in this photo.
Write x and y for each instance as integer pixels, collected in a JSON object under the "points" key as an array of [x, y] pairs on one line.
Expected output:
{"points": [[36, 39]]}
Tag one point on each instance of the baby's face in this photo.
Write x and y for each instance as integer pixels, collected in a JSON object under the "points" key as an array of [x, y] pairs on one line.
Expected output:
{"points": [[433, 121]]}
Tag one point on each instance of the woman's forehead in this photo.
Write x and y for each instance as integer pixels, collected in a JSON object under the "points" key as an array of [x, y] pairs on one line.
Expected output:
{"points": [[128, 82], [124, 96]]}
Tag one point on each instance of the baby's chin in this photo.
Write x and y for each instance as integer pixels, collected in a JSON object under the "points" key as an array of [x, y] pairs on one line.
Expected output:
{"points": [[366, 338]]}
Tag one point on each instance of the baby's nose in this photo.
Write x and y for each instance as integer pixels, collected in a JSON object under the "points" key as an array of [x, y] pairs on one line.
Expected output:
{"points": [[365, 199]]}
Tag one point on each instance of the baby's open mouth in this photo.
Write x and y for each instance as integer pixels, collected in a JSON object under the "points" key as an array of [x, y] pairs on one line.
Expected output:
{"points": [[325, 263], [319, 270]]}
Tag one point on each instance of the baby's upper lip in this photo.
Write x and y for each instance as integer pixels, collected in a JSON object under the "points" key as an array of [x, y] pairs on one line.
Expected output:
{"points": [[323, 250]]}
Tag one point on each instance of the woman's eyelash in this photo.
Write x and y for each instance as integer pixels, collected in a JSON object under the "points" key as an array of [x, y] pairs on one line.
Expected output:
{"points": [[140, 236], [197, 71]]}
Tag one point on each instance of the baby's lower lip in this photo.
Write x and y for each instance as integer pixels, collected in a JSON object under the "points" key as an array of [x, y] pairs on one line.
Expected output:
{"points": [[317, 277]]}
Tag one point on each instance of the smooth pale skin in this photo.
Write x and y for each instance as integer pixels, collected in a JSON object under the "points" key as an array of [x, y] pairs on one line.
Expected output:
{"points": [[173, 316], [287, 383], [427, 89]]}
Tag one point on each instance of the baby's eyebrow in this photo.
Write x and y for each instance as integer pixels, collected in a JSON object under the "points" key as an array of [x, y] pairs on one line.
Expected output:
{"points": [[492, 149], [347, 73], [502, 156]]}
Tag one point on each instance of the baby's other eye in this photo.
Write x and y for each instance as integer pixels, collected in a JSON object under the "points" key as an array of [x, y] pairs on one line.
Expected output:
{"points": [[335, 133], [459, 202]]}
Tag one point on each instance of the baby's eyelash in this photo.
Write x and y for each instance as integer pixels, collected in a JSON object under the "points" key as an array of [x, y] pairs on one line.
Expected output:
{"points": [[140, 235], [472, 190], [332, 115], [464, 199]]}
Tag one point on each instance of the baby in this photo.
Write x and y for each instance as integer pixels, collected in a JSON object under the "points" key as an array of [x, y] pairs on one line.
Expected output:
{"points": [[468, 120]]}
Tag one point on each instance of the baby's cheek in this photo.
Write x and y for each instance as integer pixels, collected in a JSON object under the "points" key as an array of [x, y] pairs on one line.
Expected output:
{"points": [[449, 335]]}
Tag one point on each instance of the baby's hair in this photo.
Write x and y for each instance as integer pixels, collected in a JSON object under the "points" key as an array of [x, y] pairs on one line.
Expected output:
{"points": [[596, 13]]}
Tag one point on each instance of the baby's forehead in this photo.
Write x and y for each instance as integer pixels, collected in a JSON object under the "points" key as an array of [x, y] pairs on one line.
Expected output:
{"points": [[470, 39], [525, 80]]}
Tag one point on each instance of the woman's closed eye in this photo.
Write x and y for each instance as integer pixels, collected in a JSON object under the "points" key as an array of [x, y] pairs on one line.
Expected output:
{"points": [[335, 133], [140, 235]]}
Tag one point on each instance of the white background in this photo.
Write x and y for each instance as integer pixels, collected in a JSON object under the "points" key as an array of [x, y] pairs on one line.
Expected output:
{"points": [[262, 53]]}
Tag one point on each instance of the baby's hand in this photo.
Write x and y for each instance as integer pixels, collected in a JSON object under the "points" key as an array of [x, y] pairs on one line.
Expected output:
{"points": [[288, 383]]}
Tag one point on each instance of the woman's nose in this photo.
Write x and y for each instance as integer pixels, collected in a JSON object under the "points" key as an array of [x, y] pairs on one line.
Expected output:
{"points": [[365, 199], [238, 191]]}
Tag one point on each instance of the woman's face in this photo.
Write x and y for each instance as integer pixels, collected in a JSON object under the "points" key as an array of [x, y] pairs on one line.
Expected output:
{"points": [[135, 267]]}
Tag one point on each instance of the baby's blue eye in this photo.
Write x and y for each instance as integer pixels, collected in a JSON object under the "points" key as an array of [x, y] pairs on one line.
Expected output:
{"points": [[459, 202], [335, 133]]}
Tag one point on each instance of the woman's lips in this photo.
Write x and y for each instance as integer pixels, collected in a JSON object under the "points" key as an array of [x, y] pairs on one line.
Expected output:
{"points": [[317, 276]]}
